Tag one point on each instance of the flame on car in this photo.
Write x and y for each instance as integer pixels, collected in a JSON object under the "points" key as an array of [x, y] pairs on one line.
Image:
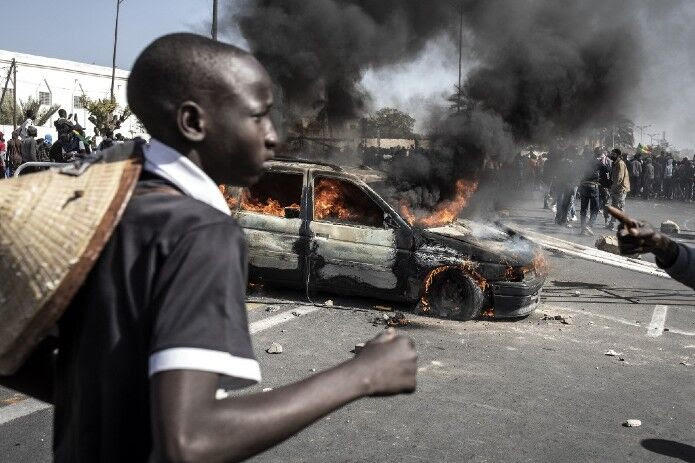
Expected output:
{"points": [[328, 201], [269, 206], [467, 268], [231, 195], [446, 211]]}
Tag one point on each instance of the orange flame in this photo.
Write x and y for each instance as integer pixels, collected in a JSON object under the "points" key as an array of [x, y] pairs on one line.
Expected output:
{"points": [[270, 207], [328, 201], [230, 195], [447, 211], [467, 268], [540, 264]]}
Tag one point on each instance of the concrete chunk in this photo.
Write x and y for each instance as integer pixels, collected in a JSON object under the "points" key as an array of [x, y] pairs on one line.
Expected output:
{"points": [[670, 227], [608, 243]]}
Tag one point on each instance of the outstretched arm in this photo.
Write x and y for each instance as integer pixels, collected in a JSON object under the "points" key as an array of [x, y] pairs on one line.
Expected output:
{"points": [[189, 424], [636, 237]]}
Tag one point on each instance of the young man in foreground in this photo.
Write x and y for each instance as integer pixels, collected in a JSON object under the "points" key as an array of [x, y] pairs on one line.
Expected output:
{"points": [[160, 322]]}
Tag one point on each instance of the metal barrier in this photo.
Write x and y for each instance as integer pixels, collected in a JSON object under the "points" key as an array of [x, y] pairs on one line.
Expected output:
{"points": [[38, 164]]}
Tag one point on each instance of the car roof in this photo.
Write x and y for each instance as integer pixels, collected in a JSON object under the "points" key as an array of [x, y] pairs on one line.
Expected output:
{"points": [[304, 163]]}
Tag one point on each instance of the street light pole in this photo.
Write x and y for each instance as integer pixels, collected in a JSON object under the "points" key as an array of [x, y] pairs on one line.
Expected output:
{"points": [[641, 131], [214, 20], [115, 44]]}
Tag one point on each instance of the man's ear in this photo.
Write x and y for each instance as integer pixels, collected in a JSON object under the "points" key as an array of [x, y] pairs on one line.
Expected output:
{"points": [[192, 121]]}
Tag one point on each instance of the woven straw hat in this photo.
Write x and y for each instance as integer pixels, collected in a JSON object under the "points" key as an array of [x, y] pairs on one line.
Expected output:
{"points": [[53, 225]]}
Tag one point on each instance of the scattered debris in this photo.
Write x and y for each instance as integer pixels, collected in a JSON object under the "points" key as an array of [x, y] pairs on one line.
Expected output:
{"points": [[358, 348], [612, 353], [267, 389], [560, 318], [632, 423], [383, 308], [684, 363], [272, 308], [670, 227], [274, 348], [295, 313], [577, 294], [313, 370], [396, 320], [329, 303], [608, 243]]}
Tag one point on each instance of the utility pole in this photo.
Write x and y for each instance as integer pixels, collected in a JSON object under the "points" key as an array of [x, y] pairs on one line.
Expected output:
{"points": [[458, 88], [651, 137], [7, 81], [14, 87], [115, 44], [214, 20], [641, 130]]}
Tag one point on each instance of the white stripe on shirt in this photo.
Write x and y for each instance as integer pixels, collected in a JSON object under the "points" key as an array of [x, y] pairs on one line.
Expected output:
{"points": [[215, 361]]}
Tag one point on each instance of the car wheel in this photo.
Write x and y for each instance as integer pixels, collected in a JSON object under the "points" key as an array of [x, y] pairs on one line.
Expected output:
{"points": [[455, 295]]}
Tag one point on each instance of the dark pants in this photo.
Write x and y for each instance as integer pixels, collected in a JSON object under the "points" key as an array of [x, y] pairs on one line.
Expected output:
{"points": [[647, 187], [564, 200], [635, 186], [590, 200], [604, 197]]}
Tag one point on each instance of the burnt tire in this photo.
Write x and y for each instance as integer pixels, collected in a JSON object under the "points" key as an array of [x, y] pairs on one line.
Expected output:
{"points": [[456, 296]]}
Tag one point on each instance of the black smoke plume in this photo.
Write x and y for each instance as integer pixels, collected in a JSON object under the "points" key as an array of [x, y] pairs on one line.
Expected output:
{"points": [[538, 71]]}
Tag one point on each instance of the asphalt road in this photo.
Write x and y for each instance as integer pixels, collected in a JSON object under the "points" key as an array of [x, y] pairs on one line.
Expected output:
{"points": [[536, 389]]}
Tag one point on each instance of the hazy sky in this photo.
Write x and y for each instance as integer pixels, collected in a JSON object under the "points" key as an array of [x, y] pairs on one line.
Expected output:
{"points": [[82, 30]]}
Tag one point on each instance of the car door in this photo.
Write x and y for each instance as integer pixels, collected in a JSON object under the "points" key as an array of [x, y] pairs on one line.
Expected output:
{"points": [[271, 215], [354, 249]]}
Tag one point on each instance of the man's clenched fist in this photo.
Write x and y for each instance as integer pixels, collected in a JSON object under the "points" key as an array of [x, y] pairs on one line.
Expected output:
{"points": [[388, 364]]}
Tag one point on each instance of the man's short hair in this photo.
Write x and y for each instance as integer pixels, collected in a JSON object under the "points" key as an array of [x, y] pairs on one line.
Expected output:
{"points": [[617, 152], [62, 113], [173, 69], [31, 131]]}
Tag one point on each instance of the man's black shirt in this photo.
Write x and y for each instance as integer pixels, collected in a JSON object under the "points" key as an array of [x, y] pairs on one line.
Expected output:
{"points": [[171, 279]]}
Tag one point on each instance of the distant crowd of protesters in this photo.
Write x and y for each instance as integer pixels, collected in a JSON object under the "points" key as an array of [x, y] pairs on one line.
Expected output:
{"points": [[603, 178], [71, 143]]}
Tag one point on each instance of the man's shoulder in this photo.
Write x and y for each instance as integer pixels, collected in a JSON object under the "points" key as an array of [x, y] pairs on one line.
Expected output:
{"points": [[168, 213]]}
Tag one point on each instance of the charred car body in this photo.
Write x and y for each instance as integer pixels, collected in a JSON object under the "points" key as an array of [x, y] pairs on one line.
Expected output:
{"points": [[316, 225]]}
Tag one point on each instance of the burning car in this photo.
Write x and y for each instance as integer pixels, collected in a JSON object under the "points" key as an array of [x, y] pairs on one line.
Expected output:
{"points": [[318, 226]]}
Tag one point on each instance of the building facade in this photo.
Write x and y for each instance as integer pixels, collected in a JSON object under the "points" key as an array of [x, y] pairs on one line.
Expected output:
{"points": [[55, 81]]}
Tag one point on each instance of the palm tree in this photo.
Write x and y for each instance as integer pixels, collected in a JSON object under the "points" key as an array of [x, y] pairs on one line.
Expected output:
{"points": [[41, 114]]}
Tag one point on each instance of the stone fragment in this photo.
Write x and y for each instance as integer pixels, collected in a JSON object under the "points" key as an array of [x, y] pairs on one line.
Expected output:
{"points": [[608, 243], [329, 303], [670, 227], [274, 348], [358, 347], [632, 423], [612, 353]]}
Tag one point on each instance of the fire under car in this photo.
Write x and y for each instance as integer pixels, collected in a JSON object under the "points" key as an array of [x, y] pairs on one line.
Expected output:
{"points": [[319, 227]]}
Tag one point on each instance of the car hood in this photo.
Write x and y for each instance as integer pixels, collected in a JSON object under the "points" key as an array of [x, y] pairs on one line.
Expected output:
{"points": [[483, 241]]}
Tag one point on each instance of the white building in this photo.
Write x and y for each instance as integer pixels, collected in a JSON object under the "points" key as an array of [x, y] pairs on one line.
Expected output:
{"points": [[56, 81]]}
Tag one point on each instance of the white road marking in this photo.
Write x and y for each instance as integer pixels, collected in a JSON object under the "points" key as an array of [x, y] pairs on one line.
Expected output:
{"points": [[656, 326], [684, 333], [266, 323], [20, 409]]}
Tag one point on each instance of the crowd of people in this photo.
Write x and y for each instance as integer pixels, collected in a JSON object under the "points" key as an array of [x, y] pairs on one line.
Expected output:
{"points": [[72, 143], [603, 178]]}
